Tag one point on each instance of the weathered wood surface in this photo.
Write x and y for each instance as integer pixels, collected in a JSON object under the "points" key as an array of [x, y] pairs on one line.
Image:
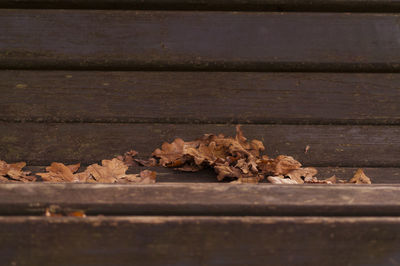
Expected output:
{"points": [[353, 146], [199, 241], [206, 97], [203, 199], [164, 175], [79, 39], [251, 5]]}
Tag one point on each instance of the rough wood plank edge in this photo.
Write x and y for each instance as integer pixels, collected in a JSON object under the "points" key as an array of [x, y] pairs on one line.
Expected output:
{"points": [[87, 143], [377, 175], [237, 5], [200, 241], [184, 40], [199, 97], [203, 199]]}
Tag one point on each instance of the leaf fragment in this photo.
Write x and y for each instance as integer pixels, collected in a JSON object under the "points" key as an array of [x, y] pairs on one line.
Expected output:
{"points": [[281, 180], [360, 178], [302, 175]]}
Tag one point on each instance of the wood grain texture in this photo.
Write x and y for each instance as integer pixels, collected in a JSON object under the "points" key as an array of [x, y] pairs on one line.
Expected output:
{"points": [[240, 5], [78, 39], [199, 241], [40, 143], [199, 97], [203, 199]]}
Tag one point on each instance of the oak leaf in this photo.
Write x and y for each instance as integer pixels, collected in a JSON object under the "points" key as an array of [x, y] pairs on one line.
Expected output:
{"points": [[58, 172], [109, 172], [13, 172]]}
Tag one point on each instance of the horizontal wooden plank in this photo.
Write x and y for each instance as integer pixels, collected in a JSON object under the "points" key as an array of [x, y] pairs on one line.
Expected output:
{"points": [[202, 199], [79, 39], [206, 97], [353, 146], [240, 5], [166, 175], [158, 240], [199, 241]]}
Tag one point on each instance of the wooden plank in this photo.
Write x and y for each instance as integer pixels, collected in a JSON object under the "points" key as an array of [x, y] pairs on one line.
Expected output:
{"points": [[199, 241], [79, 39], [202, 199], [240, 5], [353, 146], [166, 175], [206, 97]]}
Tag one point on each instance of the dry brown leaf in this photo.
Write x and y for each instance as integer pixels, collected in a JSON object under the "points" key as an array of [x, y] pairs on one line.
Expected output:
{"points": [[281, 165], [57, 211], [144, 177], [114, 171], [225, 170], [128, 158], [171, 154], [331, 180], [13, 172], [360, 178], [150, 162], [280, 180], [58, 172], [302, 174], [109, 172]]}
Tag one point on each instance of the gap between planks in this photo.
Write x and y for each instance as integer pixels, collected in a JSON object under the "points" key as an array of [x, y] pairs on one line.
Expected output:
{"points": [[226, 5]]}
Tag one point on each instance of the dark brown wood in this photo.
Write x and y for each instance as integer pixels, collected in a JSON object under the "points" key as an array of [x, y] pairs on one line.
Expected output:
{"points": [[251, 5], [78, 39], [356, 146], [202, 199], [199, 241], [206, 97]]}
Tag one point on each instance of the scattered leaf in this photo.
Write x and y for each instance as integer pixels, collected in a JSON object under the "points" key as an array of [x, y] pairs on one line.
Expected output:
{"points": [[109, 172], [58, 172], [13, 172], [360, 178], [57, 211], [306, 149]]}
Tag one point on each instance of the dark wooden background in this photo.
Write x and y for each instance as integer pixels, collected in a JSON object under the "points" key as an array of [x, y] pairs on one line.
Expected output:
{"points": [[85, 80]]}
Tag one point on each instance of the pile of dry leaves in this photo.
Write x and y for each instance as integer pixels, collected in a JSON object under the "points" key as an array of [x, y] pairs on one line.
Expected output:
{"points": [[241, 161], [235, 159]]}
